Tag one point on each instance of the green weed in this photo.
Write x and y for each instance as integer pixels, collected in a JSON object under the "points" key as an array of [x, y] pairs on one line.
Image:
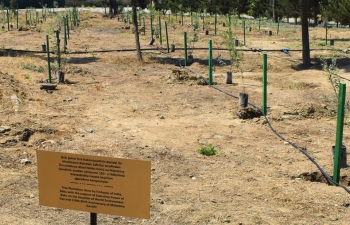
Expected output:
{"points": [[208, 150]]}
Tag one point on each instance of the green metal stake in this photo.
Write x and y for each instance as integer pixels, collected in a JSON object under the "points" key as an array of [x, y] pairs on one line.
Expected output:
{"points": [[244, 31], [216, 19], [185, 47], [339, 134], [132, 17], [72, 19], [191, 17], [326, 33], [210, 62], [160, 31], [139, 18], [203, 21], [151, 27], [68, 26], [278, 25], [167, 39], [75, 17], [264, 105], [17, 17], [65, 33], [8, 20], [78, 17], [58, 48], [144, 26], [26, 18], [48, 57], [182, 18]]}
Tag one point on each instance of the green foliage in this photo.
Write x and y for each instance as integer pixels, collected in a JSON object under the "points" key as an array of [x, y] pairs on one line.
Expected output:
{"points": [[55, 4], [258, 8], [27, 66], [236, 57], [229, 37], [13, 4], [333, 77], [195, 28], [338, 10], [208, 150], [289, 8], [152, 10], [332, 73]]}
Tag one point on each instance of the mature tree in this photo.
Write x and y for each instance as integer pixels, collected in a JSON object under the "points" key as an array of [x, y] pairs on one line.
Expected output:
{"points": [[344, 11], [289, 9], [337, 10], [258, 8], [305, 32], [315, 10], [113, 7]]}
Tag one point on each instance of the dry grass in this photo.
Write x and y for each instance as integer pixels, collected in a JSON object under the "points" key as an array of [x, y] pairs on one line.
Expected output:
{"points": [[253, 174], [298, 85]]}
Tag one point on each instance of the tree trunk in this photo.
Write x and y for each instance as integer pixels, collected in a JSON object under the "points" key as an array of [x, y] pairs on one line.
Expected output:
{"points": [[273, 10], [315, 18], [305, 33], [115, 7], [136, 27]]}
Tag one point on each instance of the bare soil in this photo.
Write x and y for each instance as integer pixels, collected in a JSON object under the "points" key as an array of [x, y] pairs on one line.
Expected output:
{"points": [[113, 105]]}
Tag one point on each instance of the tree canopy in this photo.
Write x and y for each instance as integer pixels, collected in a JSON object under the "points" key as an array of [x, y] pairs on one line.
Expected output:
{"points": [[337, 10]]}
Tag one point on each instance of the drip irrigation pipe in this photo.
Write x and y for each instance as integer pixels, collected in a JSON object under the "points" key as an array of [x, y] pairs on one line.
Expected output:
{"points": [[155, 49], [327, 177]]}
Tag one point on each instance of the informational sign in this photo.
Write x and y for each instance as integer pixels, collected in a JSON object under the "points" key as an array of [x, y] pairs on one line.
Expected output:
{"points": [[94, 184]]}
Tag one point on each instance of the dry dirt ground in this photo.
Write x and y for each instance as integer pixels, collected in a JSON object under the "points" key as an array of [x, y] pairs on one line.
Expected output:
{"points": [[112, 105]]}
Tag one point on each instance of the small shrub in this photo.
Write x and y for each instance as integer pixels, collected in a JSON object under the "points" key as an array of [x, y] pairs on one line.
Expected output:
{"points": [[208, 150], [38, 69]]}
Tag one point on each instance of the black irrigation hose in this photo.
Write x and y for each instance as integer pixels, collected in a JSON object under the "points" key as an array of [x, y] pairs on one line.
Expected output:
{"points": [[154, 49], [328, 178]]}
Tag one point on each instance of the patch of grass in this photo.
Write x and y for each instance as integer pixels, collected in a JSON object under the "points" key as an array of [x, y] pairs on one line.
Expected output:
{"points": [[208, 150], [322, 44], [39, 69]]}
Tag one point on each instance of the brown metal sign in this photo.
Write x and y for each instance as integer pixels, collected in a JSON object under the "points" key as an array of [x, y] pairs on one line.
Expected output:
{"points": [[94, 184]]}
